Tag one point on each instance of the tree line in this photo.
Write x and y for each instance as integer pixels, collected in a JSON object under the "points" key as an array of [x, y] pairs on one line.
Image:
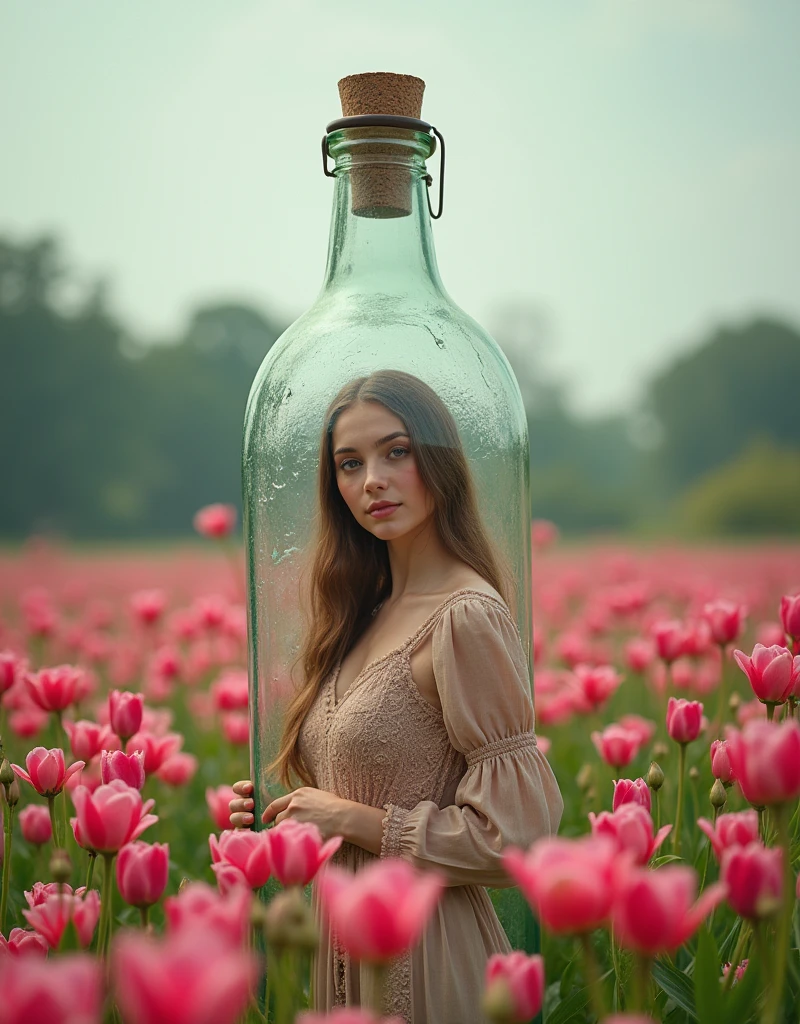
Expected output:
{"points": [[100, 438]]}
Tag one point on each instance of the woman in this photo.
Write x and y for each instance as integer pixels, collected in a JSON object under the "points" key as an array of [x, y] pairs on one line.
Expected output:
{"points": [[412, 734]]}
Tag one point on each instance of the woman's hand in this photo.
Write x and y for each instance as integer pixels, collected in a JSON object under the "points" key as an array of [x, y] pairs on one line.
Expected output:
{"points": [[312, 805], [305, 804], [242, 808]]}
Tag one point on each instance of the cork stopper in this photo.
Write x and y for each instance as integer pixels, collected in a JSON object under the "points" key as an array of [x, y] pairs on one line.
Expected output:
{"points": [[380, 190]]}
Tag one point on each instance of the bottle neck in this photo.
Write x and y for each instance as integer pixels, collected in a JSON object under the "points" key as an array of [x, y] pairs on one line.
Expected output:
{"points": [[381, 240]]}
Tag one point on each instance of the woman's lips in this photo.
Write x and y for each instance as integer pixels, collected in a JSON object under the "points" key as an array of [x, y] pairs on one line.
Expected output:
{"points": [[382, 513]]}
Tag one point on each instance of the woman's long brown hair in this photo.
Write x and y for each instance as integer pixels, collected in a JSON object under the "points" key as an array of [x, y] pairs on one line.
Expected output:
{"points": [[348, 573]]}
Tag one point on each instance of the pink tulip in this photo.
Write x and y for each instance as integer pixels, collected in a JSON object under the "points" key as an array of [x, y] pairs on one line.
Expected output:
{"points": [[12, 668], [790, 616], [515, 982], [218, 801], [228, 877], [231, 692], [53, 689], [739, 970], [628, 1018], [156, 748], [772, 672], [345, 1015], [125, 712], [46, 771], [754, 877], [616, 745], [631, 828], [110, 817], [566, 881], [148, 606], [730, 830], [725, 620], [236, 727], [215, 521], [381, 911], [142, 871], [184, 978], [87, 739], [199, 908], [22, 942], [765, 757], [178, 769], [670, 639], [644, 728], [653, 911], [63, 990], [684, 719], [34, 820], [638, 654], [297, 852], [597, 683], [543, 534], [27, 722], [42, 891], [248, 851], [631, 791], [721, 763], [50, 918], [129, 768]]}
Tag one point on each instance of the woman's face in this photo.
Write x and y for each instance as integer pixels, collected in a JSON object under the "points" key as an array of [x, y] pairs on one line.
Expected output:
{"points": [[374, 466]]}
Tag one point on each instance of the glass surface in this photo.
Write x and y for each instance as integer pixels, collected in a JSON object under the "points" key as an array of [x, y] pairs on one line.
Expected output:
{"points": [[382, 306]]}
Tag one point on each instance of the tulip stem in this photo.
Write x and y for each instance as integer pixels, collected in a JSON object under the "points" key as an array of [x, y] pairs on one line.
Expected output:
{"points": [[708, 851], [144, 913], [54, 827], [106, 922], [378, 975], [90, 871], [593, 981], [7, 826], [641, 982], [775, 990], [770, 710], [676, 835]]}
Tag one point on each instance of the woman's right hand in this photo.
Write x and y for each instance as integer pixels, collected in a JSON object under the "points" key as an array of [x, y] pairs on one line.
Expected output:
{"points": [[242, 807]]}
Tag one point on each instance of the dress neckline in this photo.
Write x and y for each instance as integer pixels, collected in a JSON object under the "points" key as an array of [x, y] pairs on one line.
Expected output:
{"points": [[335, 704]]}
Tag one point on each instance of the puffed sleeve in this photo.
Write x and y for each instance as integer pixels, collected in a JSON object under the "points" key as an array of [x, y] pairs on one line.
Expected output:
{"points": [[508, 795]]}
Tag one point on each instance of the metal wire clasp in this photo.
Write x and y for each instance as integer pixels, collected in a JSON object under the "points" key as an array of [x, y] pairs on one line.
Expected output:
{"points": [[395, 121]]}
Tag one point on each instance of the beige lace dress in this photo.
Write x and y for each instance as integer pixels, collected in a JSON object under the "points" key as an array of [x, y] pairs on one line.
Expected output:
{"points": [[457, 785]]}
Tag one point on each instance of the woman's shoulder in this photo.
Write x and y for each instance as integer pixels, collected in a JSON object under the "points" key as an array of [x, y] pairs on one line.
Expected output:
{"points": [[469, 588]]}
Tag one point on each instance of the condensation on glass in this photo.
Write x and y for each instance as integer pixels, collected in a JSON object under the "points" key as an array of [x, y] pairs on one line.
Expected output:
{"points": [[382, 306]]}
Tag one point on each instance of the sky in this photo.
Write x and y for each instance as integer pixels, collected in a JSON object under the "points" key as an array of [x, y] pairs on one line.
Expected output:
{"points": [[628, 169]]}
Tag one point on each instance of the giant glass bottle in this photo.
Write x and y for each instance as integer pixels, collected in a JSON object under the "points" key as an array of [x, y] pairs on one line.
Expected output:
{"points": [[382, 305]]}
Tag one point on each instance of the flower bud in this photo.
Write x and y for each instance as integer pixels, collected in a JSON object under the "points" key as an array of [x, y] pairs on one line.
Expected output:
{"points": [[7, 775], [655, 777], [661, 749], [60, 866], [734, 702], [182, 886], [718, 796], [12, 793], [585, 777], [498, 1003], [289, 922], [694, 773]]}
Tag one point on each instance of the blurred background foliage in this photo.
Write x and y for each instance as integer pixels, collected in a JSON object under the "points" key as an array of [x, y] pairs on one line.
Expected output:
{"points": [[105, 436]]}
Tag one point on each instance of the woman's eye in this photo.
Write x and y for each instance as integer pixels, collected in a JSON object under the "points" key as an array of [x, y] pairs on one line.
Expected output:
{"points": [[399, 449], [343, 463]]}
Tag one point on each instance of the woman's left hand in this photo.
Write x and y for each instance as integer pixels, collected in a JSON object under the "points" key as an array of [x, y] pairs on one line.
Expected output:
{"points": [[307, 804]]}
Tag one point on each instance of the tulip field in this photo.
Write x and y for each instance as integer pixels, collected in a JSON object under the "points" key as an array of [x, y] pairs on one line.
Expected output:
{"points": [[667, 684]]}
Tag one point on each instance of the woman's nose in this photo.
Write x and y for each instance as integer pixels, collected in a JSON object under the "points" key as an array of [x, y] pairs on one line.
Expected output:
{"points": [[375, 477]]}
